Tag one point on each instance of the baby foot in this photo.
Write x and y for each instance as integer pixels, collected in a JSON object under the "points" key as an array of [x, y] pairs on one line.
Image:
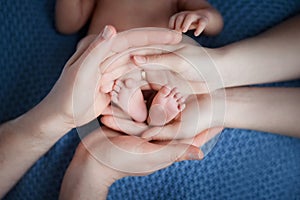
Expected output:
{"points": [[128, 96], [165, 106]]}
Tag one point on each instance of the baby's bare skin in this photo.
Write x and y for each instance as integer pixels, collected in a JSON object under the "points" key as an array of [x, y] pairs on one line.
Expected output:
{"points": [[128, 14], [182, 15]]}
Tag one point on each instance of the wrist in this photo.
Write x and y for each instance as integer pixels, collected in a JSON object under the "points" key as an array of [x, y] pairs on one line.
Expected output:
{"points": [[222, 64], [217, 74], [216, 104], [42, 122], [237, 104], [104, 175], [87, 178]]}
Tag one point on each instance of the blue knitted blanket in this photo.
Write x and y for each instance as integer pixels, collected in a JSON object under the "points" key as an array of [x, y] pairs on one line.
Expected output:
{"points": [[243, 165]]}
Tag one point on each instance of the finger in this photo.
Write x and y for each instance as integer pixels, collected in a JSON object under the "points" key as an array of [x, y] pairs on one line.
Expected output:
{"points": [[179, 21], [177, 152], [107, 87], [146, 86], [172, 21], [103, 39], [193, 153], [199, 87], [109, 132], [87, 71], [201, 26], [123, 58], [98, 135], [190, 18], [189, 141], [167, 61], [143, 37], [96, 52], [126, 126], [118, 72], [108, 79], [206, 135], [115, 111], [164, 133], [133, 38], [107, 111], [86, 43]]}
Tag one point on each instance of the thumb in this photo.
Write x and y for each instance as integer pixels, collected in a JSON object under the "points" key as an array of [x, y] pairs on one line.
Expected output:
{"points": [[162, 133], [179, 152], [166, 61], [192, 153], [99, 48]]}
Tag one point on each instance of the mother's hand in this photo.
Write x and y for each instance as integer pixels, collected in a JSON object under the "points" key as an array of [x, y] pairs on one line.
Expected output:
{"points": [[201, 120], [75, 99], [105, 156], [192, 64]]}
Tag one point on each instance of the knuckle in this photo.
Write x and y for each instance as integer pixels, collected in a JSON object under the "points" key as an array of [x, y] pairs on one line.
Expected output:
{"points": [[156, 58], [180, 17], [190, 16]]}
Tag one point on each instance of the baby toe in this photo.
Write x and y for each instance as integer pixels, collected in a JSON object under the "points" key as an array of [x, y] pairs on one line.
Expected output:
{"points": [[181, 107], [119, 83], [177, 96], [165, 90], [116, 88], [114, 96], [173, 92], [181, 100]]}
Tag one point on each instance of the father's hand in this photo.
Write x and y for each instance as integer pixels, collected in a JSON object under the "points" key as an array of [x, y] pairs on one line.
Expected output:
{"points": [[76, 99], [105, 156]]}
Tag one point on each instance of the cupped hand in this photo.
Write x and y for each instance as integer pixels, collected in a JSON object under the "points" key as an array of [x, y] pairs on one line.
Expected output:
{"points": [[203, 117], [76, 97], [133, 155], [105, 156], [194, 64], [202, 113], [190, 63]]}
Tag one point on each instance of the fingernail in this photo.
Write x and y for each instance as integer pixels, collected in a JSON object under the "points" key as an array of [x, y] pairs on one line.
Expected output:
{"points": [[177, 32], [195, 156], [140, 59], [205, 19], [107, 33], [200, 155], [182, 107]]}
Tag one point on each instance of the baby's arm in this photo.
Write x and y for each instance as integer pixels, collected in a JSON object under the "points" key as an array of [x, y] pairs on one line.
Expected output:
{"points": [[196, 14], [71, 15]]}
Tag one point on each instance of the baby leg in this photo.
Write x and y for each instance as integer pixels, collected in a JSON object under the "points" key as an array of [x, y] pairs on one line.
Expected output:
{"points": [[128, 96], [165, 106]]}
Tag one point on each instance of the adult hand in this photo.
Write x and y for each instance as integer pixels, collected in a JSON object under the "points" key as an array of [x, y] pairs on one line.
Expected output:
{"points": [[76, 98], [203, 114], [246, 62], [105, 156], [193, 64]]}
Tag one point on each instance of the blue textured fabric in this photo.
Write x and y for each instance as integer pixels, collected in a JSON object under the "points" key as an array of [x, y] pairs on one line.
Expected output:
{"points": [[243, 165]]}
